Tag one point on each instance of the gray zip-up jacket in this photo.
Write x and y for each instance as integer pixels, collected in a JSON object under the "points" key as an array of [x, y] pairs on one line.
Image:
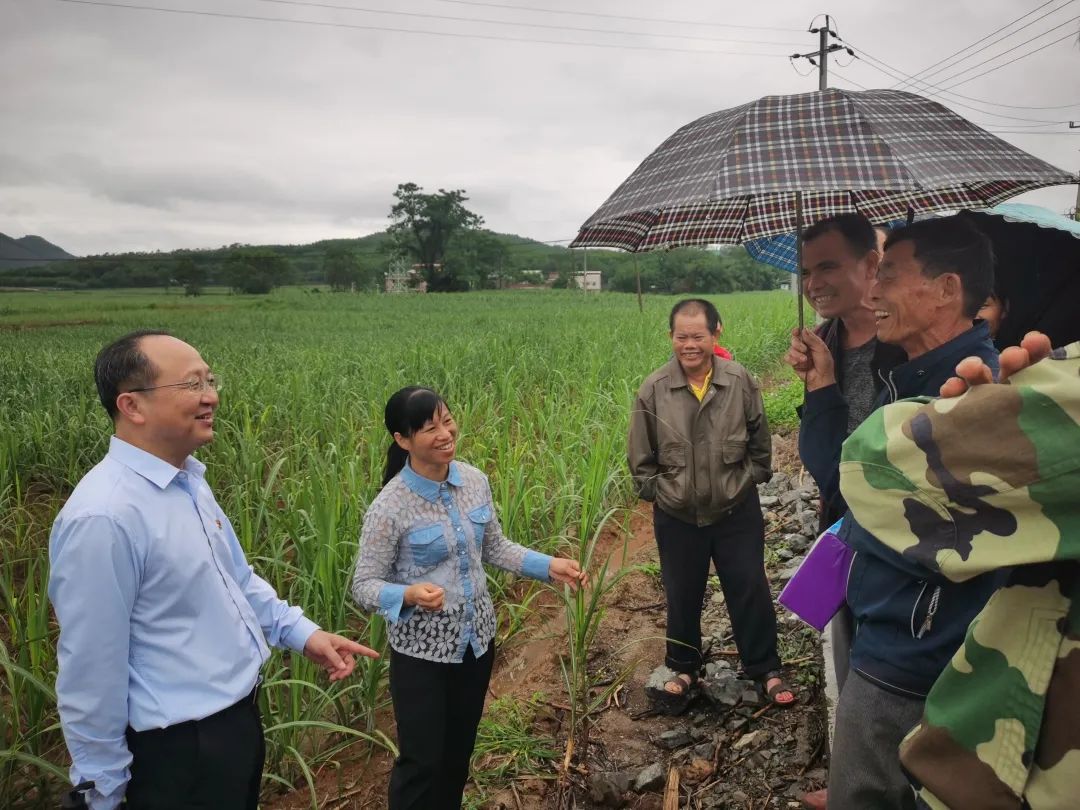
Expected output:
{"points": [[698, 460]]}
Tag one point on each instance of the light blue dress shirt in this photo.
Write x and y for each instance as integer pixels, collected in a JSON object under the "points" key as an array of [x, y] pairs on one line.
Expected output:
{"points": [[161, 618]]}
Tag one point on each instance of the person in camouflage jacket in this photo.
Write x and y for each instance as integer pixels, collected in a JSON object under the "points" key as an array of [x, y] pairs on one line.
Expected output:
{"points": [[963, 486]]}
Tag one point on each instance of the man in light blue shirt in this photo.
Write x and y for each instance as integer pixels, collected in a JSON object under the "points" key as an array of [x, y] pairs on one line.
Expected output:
{"points": [[164, 625]]}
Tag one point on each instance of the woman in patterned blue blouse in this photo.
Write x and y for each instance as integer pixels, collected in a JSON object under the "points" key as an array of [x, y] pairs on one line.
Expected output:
{"points": [[422, 548]]}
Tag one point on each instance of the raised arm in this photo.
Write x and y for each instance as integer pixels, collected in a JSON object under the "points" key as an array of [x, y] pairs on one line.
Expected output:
{"points": [[985, 481]]}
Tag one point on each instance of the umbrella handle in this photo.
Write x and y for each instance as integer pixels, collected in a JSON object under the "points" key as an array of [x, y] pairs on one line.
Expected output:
{"points": [[798, 255]]}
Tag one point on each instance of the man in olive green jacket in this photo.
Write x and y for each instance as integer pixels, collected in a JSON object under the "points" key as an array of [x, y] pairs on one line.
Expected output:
{"points": [[699, 443], [963, 486]]}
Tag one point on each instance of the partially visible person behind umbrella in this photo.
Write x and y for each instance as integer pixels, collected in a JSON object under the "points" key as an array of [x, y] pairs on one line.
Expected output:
{"points": [[719, 350], [994, 311], [699, 444], [1001, 727], [1036, 279]]}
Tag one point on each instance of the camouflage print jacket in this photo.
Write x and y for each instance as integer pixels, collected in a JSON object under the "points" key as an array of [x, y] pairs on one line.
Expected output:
{"points": [[963, 486]]}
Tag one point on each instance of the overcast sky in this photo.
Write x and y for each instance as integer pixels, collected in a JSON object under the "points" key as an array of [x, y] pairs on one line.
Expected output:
{"points": [[125, 129]]}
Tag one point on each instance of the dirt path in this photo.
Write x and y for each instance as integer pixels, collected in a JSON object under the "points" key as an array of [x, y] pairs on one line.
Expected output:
{"points": [[746, 756]]}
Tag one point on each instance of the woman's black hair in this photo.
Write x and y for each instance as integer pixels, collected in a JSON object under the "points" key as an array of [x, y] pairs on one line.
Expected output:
{"points": [[407, 411]]}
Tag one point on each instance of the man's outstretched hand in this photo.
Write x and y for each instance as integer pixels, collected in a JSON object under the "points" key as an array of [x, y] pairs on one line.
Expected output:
{"points": [[972, 371], [335, 653]]}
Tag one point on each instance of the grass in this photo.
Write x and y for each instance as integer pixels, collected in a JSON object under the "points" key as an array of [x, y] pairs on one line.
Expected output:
{"points": [[509, 747], [540, 382]]}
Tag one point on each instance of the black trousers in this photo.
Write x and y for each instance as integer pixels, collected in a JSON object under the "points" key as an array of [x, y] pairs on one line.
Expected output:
{"points": [[736, 547], [437, 708], [210, 764]]}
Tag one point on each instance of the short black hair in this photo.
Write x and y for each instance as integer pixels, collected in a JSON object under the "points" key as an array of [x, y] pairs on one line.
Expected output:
{"points": [[952, 245], [692, 305], [856, 230], [121, 366]]}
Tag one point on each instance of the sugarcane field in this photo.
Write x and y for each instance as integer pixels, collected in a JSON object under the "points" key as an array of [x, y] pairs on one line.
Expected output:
{"points": [[449, 405]]}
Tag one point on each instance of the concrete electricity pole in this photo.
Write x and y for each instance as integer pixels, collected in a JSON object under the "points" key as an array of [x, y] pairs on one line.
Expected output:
{"points": [[820, 57]]}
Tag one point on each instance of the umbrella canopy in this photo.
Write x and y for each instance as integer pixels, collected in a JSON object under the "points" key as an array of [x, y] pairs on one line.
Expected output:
{"points": [[1036, 271], [733, 176], [1036, 215]]}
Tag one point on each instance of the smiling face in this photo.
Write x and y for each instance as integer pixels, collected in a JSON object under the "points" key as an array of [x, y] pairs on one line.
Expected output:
{"points": [[432, 447], [907, 302], [693, 342], [169, 422], [836, 279]]}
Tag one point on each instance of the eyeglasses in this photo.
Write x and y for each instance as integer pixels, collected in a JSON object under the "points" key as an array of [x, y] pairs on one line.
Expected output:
{"points": [[195, 385]]}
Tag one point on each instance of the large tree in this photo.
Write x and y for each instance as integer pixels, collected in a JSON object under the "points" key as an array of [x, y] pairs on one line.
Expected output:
{"points": [[341, 269], [424, 226], [256, 270], [190, 275], [478, 258]]}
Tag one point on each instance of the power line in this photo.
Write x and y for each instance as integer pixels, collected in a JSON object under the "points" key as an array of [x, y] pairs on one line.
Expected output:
{"points": [[791, 59], [539, 10], [1025, 132], [930, 85], [986, 126], [973, 44], [1070, 35], [1003, 38], [893, 73], [1008, 51], [387, 29], [544, 26]]}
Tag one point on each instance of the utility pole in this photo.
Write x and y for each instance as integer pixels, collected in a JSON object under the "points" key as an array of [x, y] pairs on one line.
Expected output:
{"points": [[823, 54], [820, 57], [1076, 210]]}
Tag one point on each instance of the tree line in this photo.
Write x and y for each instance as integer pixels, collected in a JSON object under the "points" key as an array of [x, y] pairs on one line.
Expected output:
{"points": [[434, 235]]}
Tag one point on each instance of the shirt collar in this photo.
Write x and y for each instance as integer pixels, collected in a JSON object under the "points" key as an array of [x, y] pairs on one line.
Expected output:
{"points": [[425, 487], [946, 356], [677, 377], [155, 470]]}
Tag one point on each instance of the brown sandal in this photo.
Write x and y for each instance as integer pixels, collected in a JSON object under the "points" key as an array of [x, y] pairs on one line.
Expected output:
{"points": [[674, 703], [776, 689]]}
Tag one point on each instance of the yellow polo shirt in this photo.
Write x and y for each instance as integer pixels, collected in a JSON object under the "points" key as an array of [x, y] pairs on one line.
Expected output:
{"points": [[700, 392]]}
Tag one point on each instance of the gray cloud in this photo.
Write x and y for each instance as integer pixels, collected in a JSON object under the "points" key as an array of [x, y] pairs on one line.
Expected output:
{"points": [[129, 129]]}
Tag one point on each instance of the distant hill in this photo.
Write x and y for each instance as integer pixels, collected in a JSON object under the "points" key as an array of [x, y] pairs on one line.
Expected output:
{"points": [[44, 248], [32, 262], [29, 251]]}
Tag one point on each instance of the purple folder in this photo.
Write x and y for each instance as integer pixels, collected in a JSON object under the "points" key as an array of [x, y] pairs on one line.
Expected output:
{"points": [[819, 586]]}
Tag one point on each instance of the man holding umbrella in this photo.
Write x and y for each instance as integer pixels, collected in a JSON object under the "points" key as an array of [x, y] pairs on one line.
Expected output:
{"points": [[840, 259], [931, 282]]}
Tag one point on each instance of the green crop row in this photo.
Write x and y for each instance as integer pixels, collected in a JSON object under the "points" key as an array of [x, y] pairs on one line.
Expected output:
{"points": [[540, 382]]}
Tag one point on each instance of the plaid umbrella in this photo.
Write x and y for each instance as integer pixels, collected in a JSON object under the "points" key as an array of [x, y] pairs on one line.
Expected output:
{"points": [[739, 174]]}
